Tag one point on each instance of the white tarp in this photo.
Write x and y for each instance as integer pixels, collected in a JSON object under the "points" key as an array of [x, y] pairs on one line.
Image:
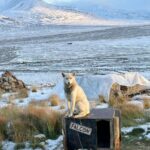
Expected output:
{"points": [[95, 85], [101, 85]]}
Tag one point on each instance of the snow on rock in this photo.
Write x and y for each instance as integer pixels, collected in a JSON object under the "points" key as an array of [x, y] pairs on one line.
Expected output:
{"points": [[8, 145], [39, 138]]}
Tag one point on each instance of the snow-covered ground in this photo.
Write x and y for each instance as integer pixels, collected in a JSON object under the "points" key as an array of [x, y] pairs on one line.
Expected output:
{"points": [[84, 50], [31, 44], [145, 128], [48, 145]]}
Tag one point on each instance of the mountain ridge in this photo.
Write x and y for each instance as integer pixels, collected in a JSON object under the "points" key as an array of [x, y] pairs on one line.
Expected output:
{"points": [[29, 12]]}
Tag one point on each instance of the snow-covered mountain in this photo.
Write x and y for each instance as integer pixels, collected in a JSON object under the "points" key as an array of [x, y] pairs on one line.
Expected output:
{"points": [[25, 12], [85, 12], [19, 4], [109, 9]]}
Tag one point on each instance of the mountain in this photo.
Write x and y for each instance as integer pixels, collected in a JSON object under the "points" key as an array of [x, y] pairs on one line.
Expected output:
{"points": [[74, 12], [27, 12], [109, 9], [19, 4]]}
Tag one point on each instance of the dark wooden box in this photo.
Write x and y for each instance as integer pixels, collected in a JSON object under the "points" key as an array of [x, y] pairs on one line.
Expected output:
{"points": [[101, 130]]}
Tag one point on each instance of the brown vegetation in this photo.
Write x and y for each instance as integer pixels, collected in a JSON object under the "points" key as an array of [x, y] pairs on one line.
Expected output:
{"points": [[41, 103], [146, 102], [3, 124], [54, 100], [21, 124], [130, 113]]}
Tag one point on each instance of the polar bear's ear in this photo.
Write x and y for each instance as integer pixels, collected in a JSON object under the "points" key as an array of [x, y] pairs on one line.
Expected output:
{"points": [[74, 74], [63, 74]]}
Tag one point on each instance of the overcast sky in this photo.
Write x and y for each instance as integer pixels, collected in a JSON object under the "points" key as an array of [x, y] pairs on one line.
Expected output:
{"points": [[115, 4]]}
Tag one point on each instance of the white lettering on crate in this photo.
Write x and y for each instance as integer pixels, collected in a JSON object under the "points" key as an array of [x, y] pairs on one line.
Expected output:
{"points": [[80, 128]]}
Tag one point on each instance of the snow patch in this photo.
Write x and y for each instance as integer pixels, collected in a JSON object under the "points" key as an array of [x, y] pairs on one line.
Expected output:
{"points": [[53, 144], [50, 144], [129, 129]]}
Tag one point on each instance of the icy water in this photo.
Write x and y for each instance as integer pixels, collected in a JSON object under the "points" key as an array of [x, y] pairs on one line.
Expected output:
{"points": [[85, 50]]}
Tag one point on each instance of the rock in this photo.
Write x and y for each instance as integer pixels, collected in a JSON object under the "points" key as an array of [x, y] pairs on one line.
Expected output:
{"points": [[39, 138], [9, 83]]}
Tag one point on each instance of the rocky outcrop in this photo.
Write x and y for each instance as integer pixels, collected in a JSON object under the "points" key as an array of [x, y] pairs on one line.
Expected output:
{"points": [[9, 83]]}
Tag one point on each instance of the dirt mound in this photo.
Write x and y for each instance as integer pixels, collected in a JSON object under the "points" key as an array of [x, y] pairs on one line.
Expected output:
{"points": [[9, 83]]}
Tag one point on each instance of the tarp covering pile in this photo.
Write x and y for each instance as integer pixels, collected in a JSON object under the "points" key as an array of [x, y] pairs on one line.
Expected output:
{"points": [[95, 86]]}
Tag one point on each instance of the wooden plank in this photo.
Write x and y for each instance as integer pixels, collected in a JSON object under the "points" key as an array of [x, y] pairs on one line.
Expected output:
{"points": [[111, 134], [116, 134]]}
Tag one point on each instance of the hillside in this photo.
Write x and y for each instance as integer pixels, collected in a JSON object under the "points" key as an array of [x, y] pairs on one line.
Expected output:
{"points": [[27, 12], [111, 9]]}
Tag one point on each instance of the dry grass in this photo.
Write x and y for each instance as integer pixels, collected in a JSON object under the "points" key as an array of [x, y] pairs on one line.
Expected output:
{"points": [[24, 123], [22, 130], [54, 100], [146, 102], [117, 97], [3, 130], [130, 113], [117, 100], [42, 103]]}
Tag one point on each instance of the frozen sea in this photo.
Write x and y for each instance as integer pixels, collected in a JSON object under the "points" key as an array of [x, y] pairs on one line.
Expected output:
{"points": [[44, 50]]}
